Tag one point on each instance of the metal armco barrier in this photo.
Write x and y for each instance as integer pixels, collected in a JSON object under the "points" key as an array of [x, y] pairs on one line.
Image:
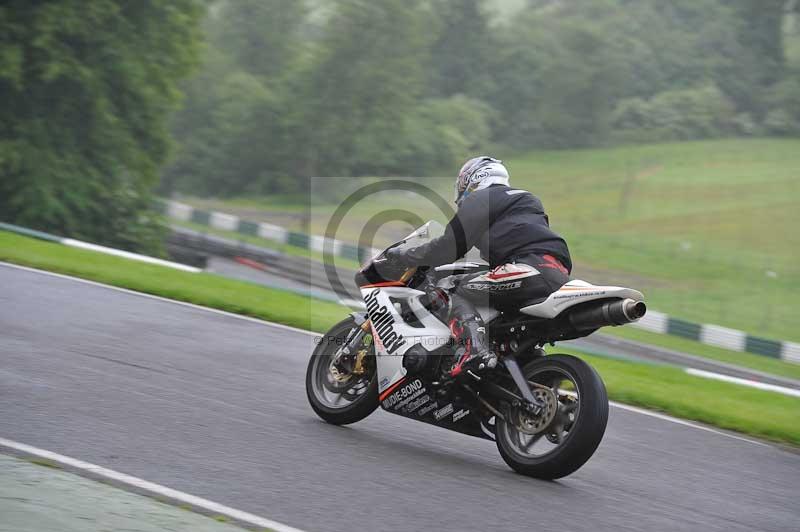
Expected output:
{"points": [[229, 222], [300, 269]]}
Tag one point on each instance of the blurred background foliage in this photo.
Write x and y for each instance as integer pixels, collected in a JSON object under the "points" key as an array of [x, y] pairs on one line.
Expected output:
{"points": [[92, 122], [86, 89], [291, 88]]}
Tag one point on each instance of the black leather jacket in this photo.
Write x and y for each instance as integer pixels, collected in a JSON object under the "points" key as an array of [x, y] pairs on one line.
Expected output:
{"points": [[503, 222]]}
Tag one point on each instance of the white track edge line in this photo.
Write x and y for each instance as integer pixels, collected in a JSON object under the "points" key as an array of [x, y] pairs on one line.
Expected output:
{"points": [[310, 333], [743, 382], [128, 255], [160, 298], [149, 487], [683, 422]]}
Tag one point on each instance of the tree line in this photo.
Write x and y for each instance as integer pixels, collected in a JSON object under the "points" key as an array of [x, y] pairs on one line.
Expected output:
{"points": [[292, 89], [86, 89]]}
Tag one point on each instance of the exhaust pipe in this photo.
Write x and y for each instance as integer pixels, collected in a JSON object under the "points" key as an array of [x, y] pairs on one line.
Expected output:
{"points": [[618, 312]]}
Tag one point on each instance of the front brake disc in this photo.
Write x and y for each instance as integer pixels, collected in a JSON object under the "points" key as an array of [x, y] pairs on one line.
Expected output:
{"points": [[527, 423]]}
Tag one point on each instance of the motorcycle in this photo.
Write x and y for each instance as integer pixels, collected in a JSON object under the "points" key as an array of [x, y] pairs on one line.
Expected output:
{"points": [[547, 413]]}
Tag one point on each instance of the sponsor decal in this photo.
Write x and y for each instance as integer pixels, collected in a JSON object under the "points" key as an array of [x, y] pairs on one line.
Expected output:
{"points": [[416, 403], [383, 323], [404, 394], [458, 415], [427, 408], [580, 294], [446, 410], [494, 286], [407, 400], [384, 382]]}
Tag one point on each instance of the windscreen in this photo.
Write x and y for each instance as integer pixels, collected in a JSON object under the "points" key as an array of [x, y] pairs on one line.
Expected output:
{"points": [[422, 234]]}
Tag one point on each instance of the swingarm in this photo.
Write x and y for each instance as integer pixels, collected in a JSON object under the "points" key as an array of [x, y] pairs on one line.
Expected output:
{"points": [[527, 400]]}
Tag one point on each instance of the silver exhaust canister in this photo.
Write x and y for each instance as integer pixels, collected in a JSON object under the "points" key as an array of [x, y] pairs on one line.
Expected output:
{"points": [[603, 314]]}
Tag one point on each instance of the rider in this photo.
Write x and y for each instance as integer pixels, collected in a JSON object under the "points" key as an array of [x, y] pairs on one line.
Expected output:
{"points": [[528, 260]]}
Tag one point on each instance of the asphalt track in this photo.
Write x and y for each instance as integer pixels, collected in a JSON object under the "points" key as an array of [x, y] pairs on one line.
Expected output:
{"points": [[215, 406]]}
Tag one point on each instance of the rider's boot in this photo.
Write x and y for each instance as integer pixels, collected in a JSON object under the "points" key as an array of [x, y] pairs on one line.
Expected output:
{"points": [[474, 355]]}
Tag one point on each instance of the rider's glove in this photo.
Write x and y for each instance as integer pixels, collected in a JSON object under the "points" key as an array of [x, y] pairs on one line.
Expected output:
{"points": [[391, 266]]}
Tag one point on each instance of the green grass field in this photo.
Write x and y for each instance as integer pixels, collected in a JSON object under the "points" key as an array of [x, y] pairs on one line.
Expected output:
{"points": [[707, 230], [721, 404], [765, 414]]}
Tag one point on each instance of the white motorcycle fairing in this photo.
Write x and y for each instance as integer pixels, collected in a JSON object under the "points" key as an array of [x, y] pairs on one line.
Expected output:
{"points": [[577, 292], [393, 336], [413, 346]]}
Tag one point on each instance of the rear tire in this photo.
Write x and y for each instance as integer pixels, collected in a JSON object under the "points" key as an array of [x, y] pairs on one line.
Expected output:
{"points": [[585, 432], [349, 412]]}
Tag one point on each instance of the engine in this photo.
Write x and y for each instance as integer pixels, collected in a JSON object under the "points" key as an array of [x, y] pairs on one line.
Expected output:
{"points": [[418, 361]]}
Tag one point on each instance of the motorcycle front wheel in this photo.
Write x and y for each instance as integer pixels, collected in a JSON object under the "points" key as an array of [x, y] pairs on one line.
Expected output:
{"points": [[342, 387], [568, 431]]}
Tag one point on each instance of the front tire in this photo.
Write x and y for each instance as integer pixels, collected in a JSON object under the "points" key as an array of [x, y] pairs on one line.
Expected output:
{"points": [[336, 398], [572, 430]]}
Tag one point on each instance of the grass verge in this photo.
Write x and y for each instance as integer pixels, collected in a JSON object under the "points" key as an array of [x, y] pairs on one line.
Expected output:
{"points": [[725, 405], [766, 364], [662, 388], [204, 289]]}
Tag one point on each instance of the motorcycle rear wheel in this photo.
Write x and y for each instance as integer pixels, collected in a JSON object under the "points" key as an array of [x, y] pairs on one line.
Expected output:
{"points": [[573, 428], [336, 400]]}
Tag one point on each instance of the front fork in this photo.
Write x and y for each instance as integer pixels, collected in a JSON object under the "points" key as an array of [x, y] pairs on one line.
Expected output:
{"points": [[353, 340]]}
